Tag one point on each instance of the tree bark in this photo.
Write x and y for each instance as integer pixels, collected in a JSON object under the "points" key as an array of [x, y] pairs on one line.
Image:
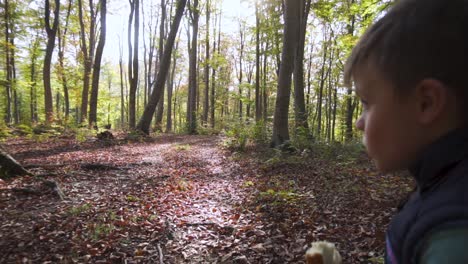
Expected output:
{"points": [[299, 100], [97, 66], [258, 99], [87, 50], [8, 73], [290, 40], [145, 121], [51, 34], [62, 40], [207, 65], [160, 108], [191, 102], [133, 59]]}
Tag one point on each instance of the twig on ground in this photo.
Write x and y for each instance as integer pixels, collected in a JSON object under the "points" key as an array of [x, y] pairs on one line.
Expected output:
{"points": [[161, 256]]}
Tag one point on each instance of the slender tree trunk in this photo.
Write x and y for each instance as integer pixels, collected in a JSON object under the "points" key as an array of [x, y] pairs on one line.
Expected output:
{"points": [[62, 40], [133, 58], [145, 121], [193, 85], [97, 66], [290, 40], [299, 106], [51, 34], [162, 34], [34, 47], [321, 86], [258, 99], [87, 50], [265, 71], [207, 65], [349, 93], [170, 88], [8, 74], [241, 55], [122, 93], [216, 48]]}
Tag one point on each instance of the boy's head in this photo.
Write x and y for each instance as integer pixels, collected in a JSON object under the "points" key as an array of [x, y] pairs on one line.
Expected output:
{"points": [[411, 71]]}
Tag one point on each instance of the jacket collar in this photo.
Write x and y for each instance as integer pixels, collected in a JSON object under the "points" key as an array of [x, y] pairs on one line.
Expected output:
{"points": [[440, 156]]}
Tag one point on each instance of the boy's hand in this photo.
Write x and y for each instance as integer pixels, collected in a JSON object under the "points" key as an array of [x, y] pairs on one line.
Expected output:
{"points": [[322, 252]]}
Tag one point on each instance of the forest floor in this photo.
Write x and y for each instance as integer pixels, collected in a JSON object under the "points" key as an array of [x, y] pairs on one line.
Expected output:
{"points": [[185, 199]]}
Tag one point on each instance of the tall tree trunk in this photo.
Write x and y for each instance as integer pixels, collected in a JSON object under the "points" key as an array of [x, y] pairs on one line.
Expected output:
{"points": [[290, 39], [299, 106], [258, 99], [170, 88], [145, 120], [207, 64], [216, 49], [265, 71], [87, 50], [97, 66], [349, 92], [321, 86], [51, 34], [34, 48], [193, 85], [133, 59], [241, 55], [162, 35], [8, 74], [122, 93], [62, 40]]}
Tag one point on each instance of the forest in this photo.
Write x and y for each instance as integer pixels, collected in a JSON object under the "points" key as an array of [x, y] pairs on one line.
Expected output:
{"points": [[185, 131]]}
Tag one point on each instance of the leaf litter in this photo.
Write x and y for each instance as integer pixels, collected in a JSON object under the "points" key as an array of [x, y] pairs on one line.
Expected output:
{"points": [[184, 199]]}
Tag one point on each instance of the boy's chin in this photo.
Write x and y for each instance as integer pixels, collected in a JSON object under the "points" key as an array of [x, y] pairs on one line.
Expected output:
{"points": [[387, 167]]}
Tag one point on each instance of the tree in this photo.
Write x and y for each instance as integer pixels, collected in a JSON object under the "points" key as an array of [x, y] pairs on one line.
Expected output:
{"points": [[87, 51], [145, 120], [258, 99], [8, 58], [97, 66], [62, 40], [299, 100], [51, 34], [207, 64], [290, 40], [133, 58], [159, 113], [193, 85]]}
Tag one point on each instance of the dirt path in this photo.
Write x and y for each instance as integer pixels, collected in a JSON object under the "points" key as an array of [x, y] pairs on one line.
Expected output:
{"points": [[182, 199]]}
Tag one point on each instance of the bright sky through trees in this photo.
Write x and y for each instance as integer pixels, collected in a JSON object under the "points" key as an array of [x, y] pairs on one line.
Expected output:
{"points": [[118, 23]]}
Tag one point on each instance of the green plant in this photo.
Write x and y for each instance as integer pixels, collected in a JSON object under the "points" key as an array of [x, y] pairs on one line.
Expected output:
{"points": [[79, 209], [237, 137], [180, 147], [131, 198], [302, 139], [98, 230]]}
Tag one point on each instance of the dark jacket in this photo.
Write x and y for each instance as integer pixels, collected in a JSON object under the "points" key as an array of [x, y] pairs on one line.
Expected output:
{"points": [[440, 203]]}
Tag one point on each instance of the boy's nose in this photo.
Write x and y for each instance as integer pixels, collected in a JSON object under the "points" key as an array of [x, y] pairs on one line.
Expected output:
{"points": [[360, 123]]}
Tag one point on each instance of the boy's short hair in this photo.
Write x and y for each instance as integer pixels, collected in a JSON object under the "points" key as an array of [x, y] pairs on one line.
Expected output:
{"points": [[417, 39]]}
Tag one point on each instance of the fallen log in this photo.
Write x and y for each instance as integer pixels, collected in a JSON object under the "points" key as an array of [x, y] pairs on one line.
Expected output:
{"points": [[9, 167]]}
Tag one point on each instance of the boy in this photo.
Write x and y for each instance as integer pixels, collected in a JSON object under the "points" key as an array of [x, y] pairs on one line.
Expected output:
{"points": [[410, 70]]}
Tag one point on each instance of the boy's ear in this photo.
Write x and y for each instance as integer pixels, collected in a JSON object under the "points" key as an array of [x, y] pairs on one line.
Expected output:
{"points": [[432, 99]]}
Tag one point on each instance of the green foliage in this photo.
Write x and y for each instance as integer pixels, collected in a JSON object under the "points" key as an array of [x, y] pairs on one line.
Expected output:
{"points": [[237, 137], [207, 130], [5, 131], [339, 152], [302, 139], [183, 147], [75, 211], [100, 230], [131, 198]]}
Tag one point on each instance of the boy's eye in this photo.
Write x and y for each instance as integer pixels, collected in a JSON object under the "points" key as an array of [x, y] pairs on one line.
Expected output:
{"points": [[364, 103]]}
